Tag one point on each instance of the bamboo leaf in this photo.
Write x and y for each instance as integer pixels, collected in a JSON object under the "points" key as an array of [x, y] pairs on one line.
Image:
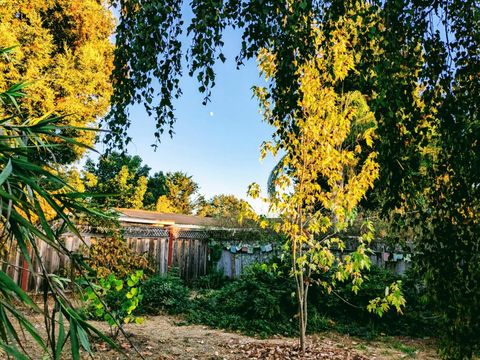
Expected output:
{"points": [[6, 172], [13, 351], [75, 348], [61, 336], [13, 289], [84, 339]]}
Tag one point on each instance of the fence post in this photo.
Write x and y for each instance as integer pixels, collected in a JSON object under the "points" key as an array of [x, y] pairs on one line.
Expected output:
{"points": [[25, 276], [171, 238]]}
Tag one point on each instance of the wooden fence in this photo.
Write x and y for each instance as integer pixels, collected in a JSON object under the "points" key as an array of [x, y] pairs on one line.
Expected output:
{"points": [[187, 250], [232, 264], [168, 247]]}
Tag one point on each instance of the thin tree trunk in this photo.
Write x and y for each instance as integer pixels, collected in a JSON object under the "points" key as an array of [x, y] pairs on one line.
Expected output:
{"points": [[305, 307], [302, 312]]}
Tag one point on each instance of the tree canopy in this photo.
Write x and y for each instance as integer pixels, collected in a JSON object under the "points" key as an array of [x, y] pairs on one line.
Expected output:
{"points": [[332, 141], [123, 181], [181, 192], [229, 208], [120, 178], [418, 71], [63, 49], [156, 187]]}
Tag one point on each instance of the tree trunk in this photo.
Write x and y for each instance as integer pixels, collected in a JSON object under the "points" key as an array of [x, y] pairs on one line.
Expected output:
{"points": [[302, 312]]}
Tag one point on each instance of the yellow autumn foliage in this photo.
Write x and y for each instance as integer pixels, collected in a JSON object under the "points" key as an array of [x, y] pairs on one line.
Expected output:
{"points": [[113, 255], [63, 49], [328, 163], [164, 205]]}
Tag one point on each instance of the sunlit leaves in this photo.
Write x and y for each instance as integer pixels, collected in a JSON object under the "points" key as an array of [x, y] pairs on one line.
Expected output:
{"points": [[63, 50], [120, 178], [181, 188], [111, 254], [226, 208], [393, 297], [26, 190], [328, 163], [126, 293], [149, 51]]}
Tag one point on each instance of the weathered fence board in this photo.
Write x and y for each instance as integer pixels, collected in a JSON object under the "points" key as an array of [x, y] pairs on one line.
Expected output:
{"points": [[189, 253], [233, 264]]}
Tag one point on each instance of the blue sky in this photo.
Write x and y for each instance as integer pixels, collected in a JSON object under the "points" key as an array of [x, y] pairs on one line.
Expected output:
{"points": [[217, 144]]}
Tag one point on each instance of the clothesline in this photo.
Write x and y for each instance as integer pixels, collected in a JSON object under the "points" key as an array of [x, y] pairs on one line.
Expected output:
{"points": [[249, 249]]}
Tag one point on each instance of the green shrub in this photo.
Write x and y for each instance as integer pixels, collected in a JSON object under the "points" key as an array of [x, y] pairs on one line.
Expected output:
{"points": [[260, 303], [349, 310], [216, 279], [317, 322], [165, 293], [114, 300]]}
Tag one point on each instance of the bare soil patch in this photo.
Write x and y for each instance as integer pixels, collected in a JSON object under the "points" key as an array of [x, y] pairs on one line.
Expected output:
{"points": [[162, 338], [167, 338]]}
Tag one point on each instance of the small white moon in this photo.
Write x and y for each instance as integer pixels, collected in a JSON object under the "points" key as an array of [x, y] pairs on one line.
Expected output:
{"points": [[211, 113]]}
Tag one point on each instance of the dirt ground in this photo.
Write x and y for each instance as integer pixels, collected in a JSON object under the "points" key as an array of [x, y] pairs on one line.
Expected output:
{"points": [[163, 337], [166, 338]]}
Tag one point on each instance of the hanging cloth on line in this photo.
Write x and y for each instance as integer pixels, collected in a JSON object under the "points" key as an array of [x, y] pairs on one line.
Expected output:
{"points": [[397, 257]]}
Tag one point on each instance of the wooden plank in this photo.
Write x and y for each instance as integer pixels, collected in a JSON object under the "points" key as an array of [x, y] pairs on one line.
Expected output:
{"points": [[159, 252], [191, 259], [150, 244], [178, 263], [184, 255], [185, 245], [159, 257], [164, 255], [164, 252], [171, 238], [205, 249], [203, 262], [196, 259], [146, 246], [176, 252], [201, 259]]}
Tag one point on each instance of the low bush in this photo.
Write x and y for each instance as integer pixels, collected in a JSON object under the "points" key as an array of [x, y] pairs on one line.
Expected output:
{"points": [[260, 302], [349, 310], [111, 255], [215, 280], [165, 293], [114, 300]]}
